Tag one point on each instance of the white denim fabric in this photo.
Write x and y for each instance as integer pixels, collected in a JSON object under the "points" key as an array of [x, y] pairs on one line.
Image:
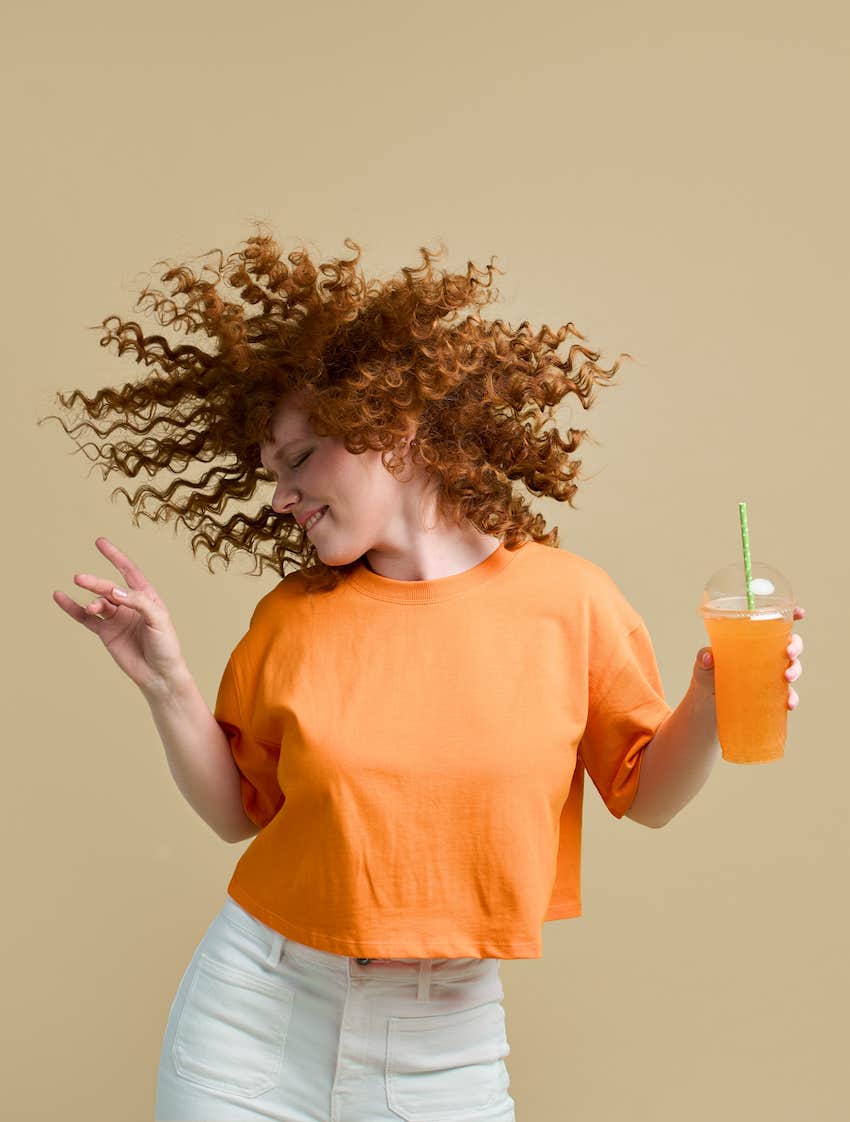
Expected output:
{"points": [[263, 1027]]}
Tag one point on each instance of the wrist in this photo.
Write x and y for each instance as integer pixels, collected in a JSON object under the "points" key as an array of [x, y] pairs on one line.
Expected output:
{"points": [[176, 688], [701, 701]]}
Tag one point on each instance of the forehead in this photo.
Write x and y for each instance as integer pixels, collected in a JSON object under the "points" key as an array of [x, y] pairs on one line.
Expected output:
{"points": [[289, 425]]}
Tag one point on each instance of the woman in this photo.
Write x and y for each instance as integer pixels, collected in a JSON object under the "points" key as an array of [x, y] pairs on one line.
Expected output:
{"points": [[405, 725]]}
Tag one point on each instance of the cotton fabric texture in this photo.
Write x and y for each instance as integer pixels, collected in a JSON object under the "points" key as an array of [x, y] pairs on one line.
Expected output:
{"points": [[414, 751]]}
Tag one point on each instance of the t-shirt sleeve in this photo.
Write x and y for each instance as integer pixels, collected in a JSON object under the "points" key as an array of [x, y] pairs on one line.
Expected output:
{"points": [[256, 760], [624, 713]]}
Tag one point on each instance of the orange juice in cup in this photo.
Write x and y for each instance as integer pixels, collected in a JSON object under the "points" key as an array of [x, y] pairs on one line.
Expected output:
{"points": [[749, 636]]}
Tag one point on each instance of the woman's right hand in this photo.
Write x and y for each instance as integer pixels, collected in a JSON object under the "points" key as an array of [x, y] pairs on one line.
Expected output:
{"points": [[137, 631]]}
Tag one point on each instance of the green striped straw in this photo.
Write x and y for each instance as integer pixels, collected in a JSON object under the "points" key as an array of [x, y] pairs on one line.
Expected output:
{"points": [[745, 539]]}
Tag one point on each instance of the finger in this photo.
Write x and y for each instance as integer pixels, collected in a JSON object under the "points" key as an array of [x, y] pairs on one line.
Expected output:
{"points": [[799, 613], [69, 607], [93, 583], [793, 672], [793, 698], [82, 615], [151, 611], [132, 574], [101, 608], [795, 647]]}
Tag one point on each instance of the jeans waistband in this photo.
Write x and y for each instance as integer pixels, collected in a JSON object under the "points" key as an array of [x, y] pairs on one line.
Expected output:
{"points": [[428, 970]]}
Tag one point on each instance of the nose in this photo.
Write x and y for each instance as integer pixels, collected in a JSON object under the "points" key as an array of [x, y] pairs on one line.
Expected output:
{"points": [[280, 502]]}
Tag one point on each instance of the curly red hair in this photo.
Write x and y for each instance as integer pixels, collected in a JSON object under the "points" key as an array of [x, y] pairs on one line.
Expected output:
{"points": [[366, 358]]}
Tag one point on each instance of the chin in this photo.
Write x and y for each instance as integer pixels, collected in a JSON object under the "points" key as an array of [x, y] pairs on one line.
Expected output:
{"points": [[337, 556]]}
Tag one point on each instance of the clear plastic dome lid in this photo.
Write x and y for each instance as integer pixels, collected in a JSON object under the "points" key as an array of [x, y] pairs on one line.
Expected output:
{"points": [[725, 592]]}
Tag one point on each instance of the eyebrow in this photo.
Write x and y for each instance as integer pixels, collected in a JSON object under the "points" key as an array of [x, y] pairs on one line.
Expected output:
{"points": [[279, 451]]}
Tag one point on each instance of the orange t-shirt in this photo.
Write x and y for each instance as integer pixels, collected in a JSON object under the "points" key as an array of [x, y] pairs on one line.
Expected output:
{"points": [[414, 751]]}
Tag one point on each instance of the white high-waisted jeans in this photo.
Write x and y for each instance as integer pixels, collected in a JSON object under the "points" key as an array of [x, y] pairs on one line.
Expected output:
{"points": [[263, 1027]]}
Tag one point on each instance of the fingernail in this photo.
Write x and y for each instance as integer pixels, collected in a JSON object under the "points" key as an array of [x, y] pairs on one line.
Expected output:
{"points": [[119, 592]]}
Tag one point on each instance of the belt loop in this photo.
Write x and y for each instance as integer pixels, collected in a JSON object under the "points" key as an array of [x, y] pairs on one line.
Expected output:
{"points": [[276, 949], [424, 991]]}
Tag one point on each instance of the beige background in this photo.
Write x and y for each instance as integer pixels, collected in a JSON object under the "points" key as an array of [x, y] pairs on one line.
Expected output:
{"points": [[674, 179]]}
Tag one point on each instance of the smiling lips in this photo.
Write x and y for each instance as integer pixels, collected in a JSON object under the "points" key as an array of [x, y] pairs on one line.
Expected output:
{"points": [[314, 518]]}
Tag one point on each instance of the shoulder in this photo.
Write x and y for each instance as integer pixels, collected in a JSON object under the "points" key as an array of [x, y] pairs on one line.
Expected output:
{"points": [[563, 565], [588, 587], [275, 620], [275, 614], [287, 595]]}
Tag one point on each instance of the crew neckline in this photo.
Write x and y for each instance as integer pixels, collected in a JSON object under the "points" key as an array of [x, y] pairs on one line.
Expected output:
{"points": [[370, 583]]}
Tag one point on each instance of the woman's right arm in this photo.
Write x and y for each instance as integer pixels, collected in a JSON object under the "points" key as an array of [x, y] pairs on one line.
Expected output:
{"points": [[199, 758], [138, 633]]}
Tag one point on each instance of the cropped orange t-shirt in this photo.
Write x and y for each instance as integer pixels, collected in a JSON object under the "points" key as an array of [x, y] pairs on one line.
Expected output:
{"points": [[414, 751]]}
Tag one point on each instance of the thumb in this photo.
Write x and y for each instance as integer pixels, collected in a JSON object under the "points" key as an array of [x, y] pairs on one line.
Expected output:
{"points": [[705, 659]]}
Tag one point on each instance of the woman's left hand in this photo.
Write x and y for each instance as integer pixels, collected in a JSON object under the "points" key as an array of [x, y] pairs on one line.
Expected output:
{"points": [[704, 670]]}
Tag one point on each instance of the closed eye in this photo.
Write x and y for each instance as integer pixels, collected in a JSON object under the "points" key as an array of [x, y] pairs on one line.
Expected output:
{"points": [[270, 475]]}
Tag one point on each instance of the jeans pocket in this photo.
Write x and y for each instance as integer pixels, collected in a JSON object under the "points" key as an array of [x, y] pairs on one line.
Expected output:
{"points": [[232, 1030], [447, 1066]]}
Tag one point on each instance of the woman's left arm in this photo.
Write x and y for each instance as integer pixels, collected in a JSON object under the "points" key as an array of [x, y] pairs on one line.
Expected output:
{"points": [[679, 758]]}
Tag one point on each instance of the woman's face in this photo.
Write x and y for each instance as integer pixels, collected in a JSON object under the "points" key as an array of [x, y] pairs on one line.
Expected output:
{"points": [[367, 508]]}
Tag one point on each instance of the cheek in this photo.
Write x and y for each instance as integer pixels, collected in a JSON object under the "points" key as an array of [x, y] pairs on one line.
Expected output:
{"points": [[353, 480], [355, 487]]}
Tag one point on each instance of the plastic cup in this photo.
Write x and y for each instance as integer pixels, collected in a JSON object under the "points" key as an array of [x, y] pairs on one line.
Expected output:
{"points": [[750, 659]]}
